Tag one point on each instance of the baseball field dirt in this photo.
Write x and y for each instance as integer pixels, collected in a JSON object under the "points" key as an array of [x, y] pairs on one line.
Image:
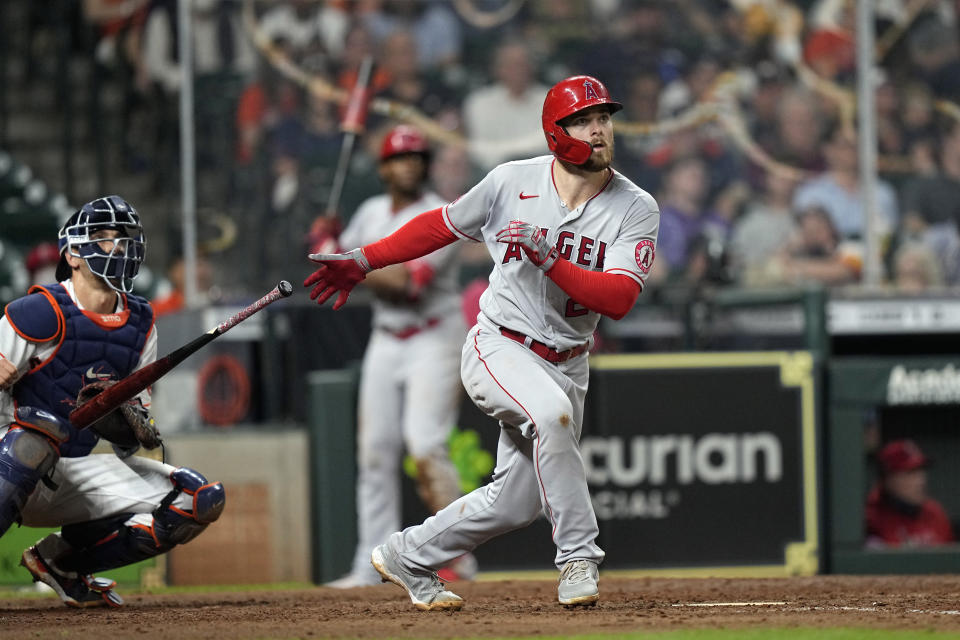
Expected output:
{"points": [[507, 609]]}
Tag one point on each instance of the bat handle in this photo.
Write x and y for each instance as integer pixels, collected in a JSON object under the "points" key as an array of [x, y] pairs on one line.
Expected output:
{"points": [[282, 290]]}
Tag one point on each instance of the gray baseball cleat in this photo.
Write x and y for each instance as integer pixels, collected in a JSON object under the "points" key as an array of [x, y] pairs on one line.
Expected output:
{"points": [[578, 584], [425, 589], [81, 591]]}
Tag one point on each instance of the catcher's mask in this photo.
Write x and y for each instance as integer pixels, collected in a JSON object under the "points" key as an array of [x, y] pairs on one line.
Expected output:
{"points": [[120, 266], [564, 99]]}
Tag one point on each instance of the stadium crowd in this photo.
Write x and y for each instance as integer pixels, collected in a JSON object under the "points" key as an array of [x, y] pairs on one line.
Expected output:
{"points": [[737, 117]]}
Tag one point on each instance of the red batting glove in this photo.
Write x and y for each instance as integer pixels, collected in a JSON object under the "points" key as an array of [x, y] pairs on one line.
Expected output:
{"points": [[532, 239], [339, 272]]}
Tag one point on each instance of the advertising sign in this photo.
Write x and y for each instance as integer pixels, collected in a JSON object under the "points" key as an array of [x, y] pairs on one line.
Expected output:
{"points": [[693, 460]]}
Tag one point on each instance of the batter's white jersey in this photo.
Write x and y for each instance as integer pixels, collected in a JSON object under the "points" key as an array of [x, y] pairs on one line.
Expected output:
{"points": [[614, 231], [375, 219], [24, 354]]}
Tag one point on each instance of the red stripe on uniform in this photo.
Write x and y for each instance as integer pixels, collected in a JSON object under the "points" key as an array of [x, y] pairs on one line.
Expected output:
{"points": [[543, 490], [449, 222]]}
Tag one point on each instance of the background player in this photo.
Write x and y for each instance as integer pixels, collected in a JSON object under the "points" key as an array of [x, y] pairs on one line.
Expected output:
{"points": [[409, 393], [65, 341], [570, 239]]}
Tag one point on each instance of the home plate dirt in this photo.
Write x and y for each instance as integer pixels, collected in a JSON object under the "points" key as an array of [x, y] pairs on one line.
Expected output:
{"points": [[508, 608]]}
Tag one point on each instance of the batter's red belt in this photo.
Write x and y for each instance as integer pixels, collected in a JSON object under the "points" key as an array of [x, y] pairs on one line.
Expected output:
{"points": [[409, 332], [542, 350]]}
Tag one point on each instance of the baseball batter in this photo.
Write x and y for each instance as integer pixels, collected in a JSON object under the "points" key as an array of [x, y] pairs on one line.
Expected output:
{"points": [[409, 392], [571, 239], [60, 345]]}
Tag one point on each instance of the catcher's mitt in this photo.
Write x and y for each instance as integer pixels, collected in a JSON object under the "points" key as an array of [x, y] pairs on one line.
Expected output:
{"points": [[130, 425]]}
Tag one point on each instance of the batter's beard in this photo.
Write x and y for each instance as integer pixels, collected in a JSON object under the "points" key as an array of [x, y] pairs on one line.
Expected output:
{"points": [[598, 162]]}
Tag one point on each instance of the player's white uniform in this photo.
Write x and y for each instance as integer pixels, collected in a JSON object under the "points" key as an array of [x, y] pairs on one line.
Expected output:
{"points": [[409, 391], [93, 486], [539, 403]]}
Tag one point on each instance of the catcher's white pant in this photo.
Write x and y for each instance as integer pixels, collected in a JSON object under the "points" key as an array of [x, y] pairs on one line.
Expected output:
{"points": [[97, 486], [539, 467], [409, 398]]}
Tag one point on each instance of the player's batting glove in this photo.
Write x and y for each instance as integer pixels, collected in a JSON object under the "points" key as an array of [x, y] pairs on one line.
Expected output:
{"points": [[338, 272], [532, 240]]}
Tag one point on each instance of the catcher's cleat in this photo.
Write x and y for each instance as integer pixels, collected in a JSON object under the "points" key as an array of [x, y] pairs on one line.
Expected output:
{"points": [[424, 588], [578, 584], [81, 591]]}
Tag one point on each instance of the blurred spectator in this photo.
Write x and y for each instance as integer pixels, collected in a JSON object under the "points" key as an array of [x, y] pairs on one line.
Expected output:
{"points": [[640, 106], [219, 43], [891, 140], [41, 263], [829, 47], [637, 36], [766, 227], [451, 172], [314, 31], [935, 52], [815, 254], [433, 24], [800, 126], [218, 46], [408, 85], [725, 165], [171, 293], [931, 208], [684, 218], [118, 58], [916, 269], [916, 112], [503, 119], [692, 87], [302, 142], [357, 45], [837, 190], [262, 105], [117, 24], [763, 108], [899, 512]]}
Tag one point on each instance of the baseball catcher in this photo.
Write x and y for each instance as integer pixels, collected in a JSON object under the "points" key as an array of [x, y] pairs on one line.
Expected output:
{"points": [[61, 345]]}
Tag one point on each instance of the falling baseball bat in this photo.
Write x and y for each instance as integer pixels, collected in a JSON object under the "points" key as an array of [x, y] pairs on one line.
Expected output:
{"points": [[112, 397]]}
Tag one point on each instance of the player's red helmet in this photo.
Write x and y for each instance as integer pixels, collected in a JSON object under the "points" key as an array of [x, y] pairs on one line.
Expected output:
{"points": [[565, 99], [404, 139]]}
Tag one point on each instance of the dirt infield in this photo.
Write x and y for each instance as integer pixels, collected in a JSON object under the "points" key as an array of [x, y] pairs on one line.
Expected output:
{"points": [[509, 608]]}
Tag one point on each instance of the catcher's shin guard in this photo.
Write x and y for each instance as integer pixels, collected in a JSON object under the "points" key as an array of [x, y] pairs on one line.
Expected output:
{"points": [[25, 458], [115, 542]]}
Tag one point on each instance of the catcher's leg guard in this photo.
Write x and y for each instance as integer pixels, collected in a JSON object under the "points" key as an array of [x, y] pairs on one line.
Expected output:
{"points": [[25, 457], [115, 542]]}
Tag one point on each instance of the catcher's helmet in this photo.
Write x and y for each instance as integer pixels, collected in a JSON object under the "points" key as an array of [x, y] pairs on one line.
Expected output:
{"points": [[565, 99], [119, 267], [404, 139]]}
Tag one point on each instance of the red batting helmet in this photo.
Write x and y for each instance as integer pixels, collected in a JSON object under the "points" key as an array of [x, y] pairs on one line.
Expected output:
{"points": [[565, 99], [404, 139]]}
